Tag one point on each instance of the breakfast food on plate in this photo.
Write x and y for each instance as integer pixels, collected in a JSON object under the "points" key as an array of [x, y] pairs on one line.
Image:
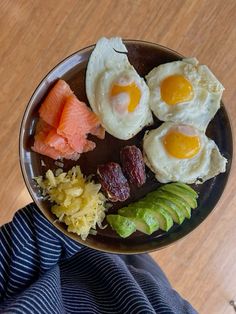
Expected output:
{"points": [[184, 92], [177, 152], [133, 165], [78, 202], [113, 181], [116, 93], [64, 124], [158, 209]]}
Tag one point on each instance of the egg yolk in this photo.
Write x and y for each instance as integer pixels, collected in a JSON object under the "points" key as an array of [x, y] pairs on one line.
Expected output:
{"points": [[176, 89], [180, 145], [132, 90]]}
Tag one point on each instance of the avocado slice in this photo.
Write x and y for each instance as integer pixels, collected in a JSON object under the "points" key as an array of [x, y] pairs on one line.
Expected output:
{"points": [[170, 207], [143, 218], [163, 217], [184, 193], [178, 201], [186, 187], [122, 225], [171, 202]]}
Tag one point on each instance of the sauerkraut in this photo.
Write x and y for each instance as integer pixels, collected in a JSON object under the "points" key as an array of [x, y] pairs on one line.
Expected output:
{"points": [[77, 200]]}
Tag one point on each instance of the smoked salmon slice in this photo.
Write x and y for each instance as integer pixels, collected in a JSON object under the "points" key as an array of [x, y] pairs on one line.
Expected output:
{"points": [[43, 126], [43, 149], [76, 116], [47, 142], [77, 120], [64, 125], [53, 139], [51, 109], [80, 143]]}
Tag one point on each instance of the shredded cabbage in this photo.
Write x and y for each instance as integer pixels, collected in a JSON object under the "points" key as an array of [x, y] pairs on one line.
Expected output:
{"points": [[78, 201]]}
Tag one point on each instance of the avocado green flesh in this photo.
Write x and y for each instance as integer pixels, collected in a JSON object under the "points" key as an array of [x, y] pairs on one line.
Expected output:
{"points": [[144, 219], [186, 187], [186, 195], [158, 209], [122, 225], [176, 214], [162, 216], [178, 201]]}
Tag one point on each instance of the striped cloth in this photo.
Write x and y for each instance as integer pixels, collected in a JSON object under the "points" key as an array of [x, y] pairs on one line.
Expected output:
{"points": [[43, 271]]}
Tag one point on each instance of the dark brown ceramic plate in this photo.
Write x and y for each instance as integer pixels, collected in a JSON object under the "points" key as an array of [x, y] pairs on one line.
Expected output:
{"points": [[144, 56]]}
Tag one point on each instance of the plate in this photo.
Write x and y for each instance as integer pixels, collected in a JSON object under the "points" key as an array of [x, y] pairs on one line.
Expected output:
{"points": [[143, 56]]}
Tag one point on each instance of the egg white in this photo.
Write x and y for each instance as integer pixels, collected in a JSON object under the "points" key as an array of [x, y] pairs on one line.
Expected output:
{"points": [[107, 64], [200, 110], [203, 166], [104, 56]]}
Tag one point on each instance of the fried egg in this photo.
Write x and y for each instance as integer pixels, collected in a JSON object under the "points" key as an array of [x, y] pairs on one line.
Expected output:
{"points": [[178, 152], [184, 92], [116, 93]]}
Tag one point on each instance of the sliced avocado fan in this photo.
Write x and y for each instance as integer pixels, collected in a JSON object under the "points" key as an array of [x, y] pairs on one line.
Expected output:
{"points": [[158, 209]]}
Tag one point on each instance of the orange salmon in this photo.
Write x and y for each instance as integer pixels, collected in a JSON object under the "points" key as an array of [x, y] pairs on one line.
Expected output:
{"points": [[51, 109], [64, 125], [77, 120]]}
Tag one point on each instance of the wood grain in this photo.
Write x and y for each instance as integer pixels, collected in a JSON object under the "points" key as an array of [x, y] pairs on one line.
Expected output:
{"points": [[36, 35]]}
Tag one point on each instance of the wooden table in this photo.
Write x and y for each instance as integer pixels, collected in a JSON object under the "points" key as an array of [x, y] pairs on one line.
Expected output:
{"points": [[36, 35]]}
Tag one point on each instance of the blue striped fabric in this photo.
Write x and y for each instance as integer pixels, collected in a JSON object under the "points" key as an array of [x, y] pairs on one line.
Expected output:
{"points": [[42, 271]]}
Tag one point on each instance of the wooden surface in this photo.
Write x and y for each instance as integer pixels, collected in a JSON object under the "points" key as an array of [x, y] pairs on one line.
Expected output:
{"points": [[36, 35]]}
